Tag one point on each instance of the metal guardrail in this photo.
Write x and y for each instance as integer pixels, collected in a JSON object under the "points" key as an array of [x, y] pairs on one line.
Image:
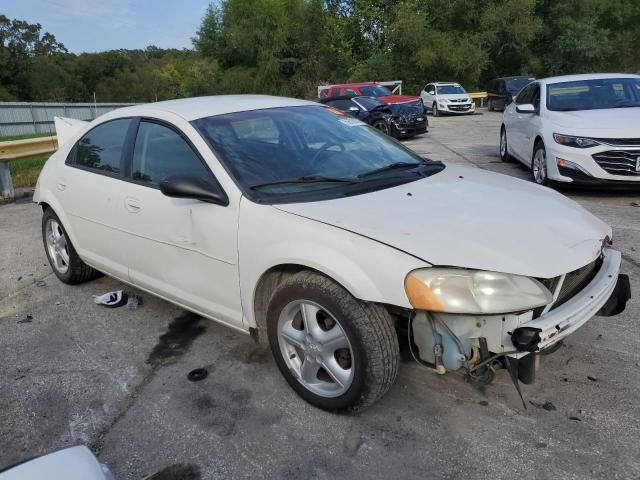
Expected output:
{"points": [[16, 149], [482, 96]]}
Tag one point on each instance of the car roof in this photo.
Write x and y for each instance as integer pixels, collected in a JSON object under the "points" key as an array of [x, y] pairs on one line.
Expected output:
{"points": [[586, 76], [513, 77], [200, 107]]}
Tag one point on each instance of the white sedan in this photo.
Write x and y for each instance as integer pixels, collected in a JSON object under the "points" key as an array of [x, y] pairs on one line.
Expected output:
{"points": [[576, 129], [323, 238]]}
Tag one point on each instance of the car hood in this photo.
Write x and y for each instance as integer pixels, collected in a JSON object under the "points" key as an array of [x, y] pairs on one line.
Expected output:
{"points": [[610, 122], [390, 99], [469, 218]]}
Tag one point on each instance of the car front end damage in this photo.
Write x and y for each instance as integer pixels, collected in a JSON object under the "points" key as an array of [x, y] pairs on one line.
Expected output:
{"points": [[479, 343]]}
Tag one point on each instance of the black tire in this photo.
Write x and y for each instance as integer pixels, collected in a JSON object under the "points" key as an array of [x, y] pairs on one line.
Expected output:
{"points": [[490, 106], [76, 271], [368, 327], [382, 126], [434, 110], [536, 176], [504, 152]]}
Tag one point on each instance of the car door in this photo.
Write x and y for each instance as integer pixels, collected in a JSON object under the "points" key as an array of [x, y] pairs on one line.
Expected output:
{"points": [[182, 249], [502, 94], [428, 95], [531, 124], [517, 124], [90, 192]]}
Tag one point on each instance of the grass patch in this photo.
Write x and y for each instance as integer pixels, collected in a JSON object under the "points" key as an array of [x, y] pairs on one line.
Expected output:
{"points": [[25, 171], [23, 137]]}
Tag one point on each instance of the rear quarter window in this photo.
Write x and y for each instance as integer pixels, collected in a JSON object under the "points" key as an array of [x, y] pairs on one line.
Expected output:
{"points": [[101, 148]]}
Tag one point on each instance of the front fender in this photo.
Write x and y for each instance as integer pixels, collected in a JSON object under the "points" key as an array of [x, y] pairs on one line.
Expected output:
{"points": [[268, 238]]}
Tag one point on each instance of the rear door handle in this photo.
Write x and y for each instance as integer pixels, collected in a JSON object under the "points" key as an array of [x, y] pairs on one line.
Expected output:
{"points": [[132, 205]]}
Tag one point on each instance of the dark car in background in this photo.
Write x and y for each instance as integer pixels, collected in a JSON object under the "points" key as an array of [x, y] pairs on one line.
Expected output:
{"points": [[399, 120], [501, 91]]}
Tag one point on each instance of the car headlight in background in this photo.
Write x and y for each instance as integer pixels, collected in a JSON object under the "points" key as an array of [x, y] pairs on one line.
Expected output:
{"points": [[456, 290], [572, 141]]}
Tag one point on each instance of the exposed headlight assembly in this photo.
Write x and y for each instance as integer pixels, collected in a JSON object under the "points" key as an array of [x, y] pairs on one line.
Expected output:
{"points": [[456, 290], [577, 142]]}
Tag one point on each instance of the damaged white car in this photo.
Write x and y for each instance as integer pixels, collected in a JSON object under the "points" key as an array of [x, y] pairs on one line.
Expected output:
{"points": [[314, 233]]}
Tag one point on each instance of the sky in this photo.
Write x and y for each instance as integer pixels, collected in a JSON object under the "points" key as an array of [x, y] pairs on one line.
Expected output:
{"points": [[98, 25]]}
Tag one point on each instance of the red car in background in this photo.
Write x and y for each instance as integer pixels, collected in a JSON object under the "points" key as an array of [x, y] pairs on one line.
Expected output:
{"points": [[367, 89]]}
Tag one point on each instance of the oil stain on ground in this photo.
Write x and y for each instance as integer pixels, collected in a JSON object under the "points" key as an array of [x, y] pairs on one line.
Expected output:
{"points": [[182, 331], [177, 471]]}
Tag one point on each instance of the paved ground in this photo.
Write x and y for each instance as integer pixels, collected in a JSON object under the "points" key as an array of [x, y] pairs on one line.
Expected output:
{"points": [[72, 372]]}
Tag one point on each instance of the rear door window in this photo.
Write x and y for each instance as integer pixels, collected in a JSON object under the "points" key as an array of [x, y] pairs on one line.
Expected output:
{"points": [[101, 148], [160, 151]]}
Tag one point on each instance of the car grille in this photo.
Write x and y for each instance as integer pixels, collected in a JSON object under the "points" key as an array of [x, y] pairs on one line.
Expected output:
{"points": [[619, 162], [460, 108], [573, 283], [620, 142]]}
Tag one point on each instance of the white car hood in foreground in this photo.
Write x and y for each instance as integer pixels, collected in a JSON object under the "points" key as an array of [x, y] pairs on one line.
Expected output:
{"points": [[466, 217], [604, 123]]}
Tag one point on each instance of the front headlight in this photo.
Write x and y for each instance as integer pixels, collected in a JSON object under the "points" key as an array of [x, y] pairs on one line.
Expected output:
{"points": [[572, 141], [456, 290]]}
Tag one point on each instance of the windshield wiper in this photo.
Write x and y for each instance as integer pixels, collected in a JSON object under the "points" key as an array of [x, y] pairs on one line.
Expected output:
{"points": [[393, 166], [305, 179]]}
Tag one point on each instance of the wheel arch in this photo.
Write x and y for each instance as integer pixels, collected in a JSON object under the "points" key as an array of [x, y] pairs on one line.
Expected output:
{"points": [[267, 284]]}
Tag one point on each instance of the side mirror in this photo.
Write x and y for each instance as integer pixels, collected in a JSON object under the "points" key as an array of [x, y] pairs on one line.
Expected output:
{"points": [[526, 108], [354, 109], [190, 186], [431, 92]]}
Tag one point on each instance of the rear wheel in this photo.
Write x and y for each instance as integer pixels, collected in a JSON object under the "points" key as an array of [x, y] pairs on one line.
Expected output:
{"points": [[63, 258], [504, 151], [539, 165], [336, 352], [490, 106]]}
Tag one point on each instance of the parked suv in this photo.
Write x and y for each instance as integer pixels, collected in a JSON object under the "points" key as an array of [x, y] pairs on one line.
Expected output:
{"points": [[501, 91], [446, 97]]}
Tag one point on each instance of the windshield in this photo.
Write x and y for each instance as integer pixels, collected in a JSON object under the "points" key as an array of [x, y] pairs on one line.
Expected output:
{"points": [[594, 94], [368, 103], [450, 89], [514, 85], [375, 91], [290, 151]]}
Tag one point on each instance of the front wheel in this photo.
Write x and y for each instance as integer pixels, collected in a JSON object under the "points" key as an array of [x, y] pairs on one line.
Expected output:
{"points": [[336, 352], [434, 109], [382, 126], [539, 165]]}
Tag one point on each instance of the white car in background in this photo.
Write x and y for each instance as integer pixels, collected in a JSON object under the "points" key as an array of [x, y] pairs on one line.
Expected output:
{"points": [[319, 236], [447, 97], [576, 129]]}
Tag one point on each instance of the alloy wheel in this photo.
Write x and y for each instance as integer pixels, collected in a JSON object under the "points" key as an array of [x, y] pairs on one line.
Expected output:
{"points": [[57, 246], [315, 348], [539, 166]]}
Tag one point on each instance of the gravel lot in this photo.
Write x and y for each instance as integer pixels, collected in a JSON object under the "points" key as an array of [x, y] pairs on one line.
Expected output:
{"points": [[73, 372]]}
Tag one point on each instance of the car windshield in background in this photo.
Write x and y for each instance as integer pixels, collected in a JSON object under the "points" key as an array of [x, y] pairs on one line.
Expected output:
{"points": [[375, 91], [369, 103], [298, 151], [450, 90], [594, 94], [514, 85]]}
